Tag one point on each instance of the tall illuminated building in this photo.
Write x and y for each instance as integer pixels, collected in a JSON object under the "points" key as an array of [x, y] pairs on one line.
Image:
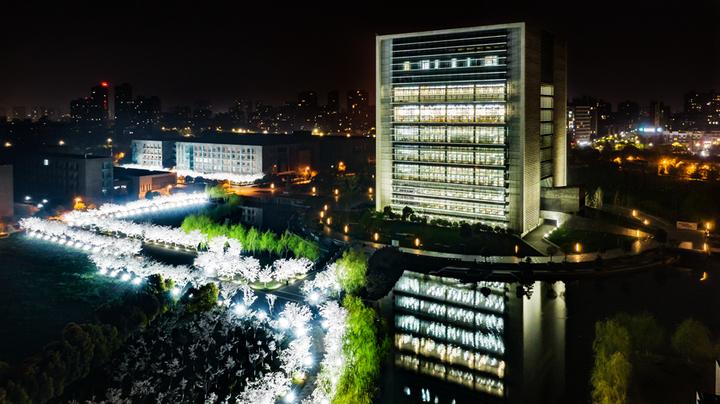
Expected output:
{"points": [[471, 123]]}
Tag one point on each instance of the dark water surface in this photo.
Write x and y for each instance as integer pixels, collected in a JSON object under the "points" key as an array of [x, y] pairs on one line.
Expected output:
{"points": [[542, 353]]}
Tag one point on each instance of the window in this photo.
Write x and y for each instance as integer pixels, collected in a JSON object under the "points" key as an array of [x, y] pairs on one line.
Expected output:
{"points": [[406, 133], [432, 113], [453, 63], [460, 93], [437, 63], [432, 93], [424, 64], [460, 134], [46, 162], [405, 94], [491, 60], [490, 113], [406, 66], [432, 134], [407, 113], [468, 62], [460, 113]]}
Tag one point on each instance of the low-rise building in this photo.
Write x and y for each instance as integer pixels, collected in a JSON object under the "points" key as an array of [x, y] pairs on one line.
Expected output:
{"points": [[63, 177], [153, 153], [136, 183]]}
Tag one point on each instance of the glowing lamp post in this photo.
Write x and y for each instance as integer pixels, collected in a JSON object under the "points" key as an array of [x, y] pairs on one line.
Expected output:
{"points": [[328, 221], [314, 190], [336, 192], [346, 228], [417, 242], [376, 236], [578, 248], [634, 213]]}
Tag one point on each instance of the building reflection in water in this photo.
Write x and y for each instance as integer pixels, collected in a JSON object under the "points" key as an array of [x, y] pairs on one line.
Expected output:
{"points": [[478, 336]]}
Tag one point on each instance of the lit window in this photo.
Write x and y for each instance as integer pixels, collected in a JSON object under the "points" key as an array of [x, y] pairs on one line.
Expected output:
{"points": [[437, 63], [406, 66], [468, 62], [453, 62], [424, 64], [45, 162], [491, 60]]}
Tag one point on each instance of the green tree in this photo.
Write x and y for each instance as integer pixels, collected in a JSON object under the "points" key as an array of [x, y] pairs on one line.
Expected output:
{"points": [[406, 212], [267, 241], [364, 353], [692, 341], [611, 369], [646, 335], [252, 239], [202, 299], [352, 269]]}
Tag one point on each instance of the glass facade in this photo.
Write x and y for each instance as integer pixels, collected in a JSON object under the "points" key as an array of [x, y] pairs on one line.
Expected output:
{"points": [[210, 158], [447, 120]]}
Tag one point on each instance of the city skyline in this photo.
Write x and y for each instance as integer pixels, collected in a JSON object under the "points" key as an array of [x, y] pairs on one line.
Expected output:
{"points": [[636, 53]]}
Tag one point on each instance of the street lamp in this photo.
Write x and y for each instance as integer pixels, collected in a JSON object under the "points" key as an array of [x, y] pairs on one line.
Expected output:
{"points": [[417, 242], [376, 236], [578, 248], [346, 228]]}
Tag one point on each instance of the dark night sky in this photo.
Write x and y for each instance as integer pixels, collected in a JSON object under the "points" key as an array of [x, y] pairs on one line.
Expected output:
{"points": [[207, 51]]}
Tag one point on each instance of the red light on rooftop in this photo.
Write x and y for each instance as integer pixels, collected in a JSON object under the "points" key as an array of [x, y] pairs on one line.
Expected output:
{"points": [[104, 83]]}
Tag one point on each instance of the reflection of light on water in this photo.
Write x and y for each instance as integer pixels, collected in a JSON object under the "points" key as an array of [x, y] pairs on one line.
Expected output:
{"points": [[451, 331]]}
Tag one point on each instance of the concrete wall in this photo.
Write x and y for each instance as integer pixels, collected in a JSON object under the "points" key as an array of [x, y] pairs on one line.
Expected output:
{"points": [[562, 199], [6, 191]]}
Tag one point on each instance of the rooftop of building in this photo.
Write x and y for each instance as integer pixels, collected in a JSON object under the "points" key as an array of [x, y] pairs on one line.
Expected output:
{"points": [[119, 172], [250, 139]]}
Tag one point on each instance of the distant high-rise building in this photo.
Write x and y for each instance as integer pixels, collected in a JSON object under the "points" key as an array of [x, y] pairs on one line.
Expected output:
{"points": [[93, 109], [333, 101], [658, 114], [702, 110], [628, 115], [358, 111], [583, 124], [240, 112], [307, 99], [306, 113], [357, 101], [124, 108], [99, 95], [147, 111], [471, 123], [19, 113]]}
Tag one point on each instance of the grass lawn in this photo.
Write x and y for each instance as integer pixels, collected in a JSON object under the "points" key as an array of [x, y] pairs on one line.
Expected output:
{"points": [[590, 241], [448, 239]]}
